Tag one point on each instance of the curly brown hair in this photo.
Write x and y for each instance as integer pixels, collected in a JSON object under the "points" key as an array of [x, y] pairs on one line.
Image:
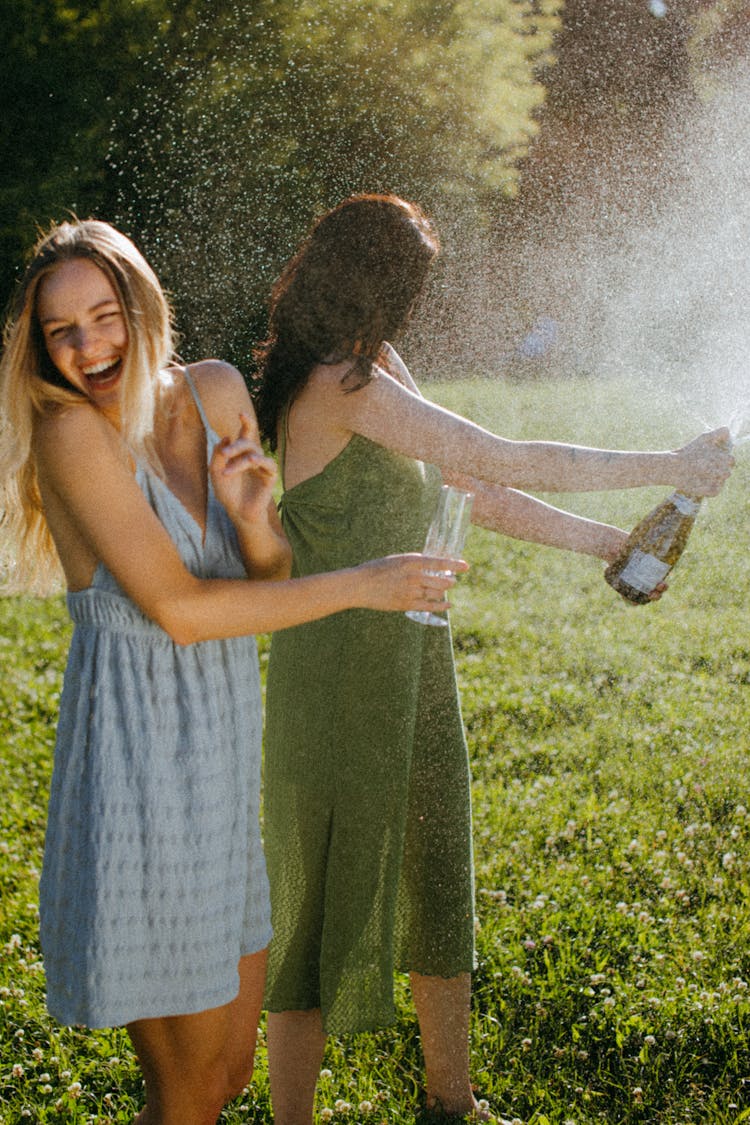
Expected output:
{"points": [[350, 286]]}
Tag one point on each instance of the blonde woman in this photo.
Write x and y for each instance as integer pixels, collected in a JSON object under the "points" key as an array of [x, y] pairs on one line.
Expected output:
{"points": [[154, 896]]}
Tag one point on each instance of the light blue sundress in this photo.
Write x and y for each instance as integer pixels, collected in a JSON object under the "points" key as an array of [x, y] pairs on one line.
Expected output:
{"points": [[154, 881]]}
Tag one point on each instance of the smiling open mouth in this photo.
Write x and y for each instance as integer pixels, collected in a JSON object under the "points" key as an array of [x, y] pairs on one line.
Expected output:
{"points": [[101, 375]]}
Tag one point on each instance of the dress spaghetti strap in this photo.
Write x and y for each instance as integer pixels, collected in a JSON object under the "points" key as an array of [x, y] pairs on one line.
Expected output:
{"points": [[197, 400]]}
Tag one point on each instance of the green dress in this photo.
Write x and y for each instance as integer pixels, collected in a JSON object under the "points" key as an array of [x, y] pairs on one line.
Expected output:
{"points": [[367, 800]]}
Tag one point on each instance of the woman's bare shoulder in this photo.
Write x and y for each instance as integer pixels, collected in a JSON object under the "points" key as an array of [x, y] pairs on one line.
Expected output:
{"points": [[223, 392], [72, 427]]}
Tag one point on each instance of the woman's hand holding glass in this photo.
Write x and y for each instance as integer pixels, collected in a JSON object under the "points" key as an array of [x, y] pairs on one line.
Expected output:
{"points": [[407, 582], [445, 536]]}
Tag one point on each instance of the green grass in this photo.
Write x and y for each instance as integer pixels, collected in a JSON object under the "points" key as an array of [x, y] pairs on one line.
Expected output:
{"points": [[612, 813]]}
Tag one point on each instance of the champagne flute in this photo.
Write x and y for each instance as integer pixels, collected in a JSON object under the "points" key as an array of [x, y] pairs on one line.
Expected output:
{"points": [[445, 536]]}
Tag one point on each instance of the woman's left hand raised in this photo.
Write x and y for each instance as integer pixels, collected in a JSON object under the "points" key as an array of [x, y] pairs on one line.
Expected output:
{"points": [[242, 476]]}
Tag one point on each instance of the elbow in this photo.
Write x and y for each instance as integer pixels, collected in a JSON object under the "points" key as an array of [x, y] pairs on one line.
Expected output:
{"points": [[177, 628], [171, 615]]}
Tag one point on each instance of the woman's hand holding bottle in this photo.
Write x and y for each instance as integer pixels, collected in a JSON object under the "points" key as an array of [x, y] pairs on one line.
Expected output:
{"points": [[705, 463]]}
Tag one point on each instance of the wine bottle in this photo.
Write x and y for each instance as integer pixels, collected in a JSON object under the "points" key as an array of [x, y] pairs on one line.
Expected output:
{"points": [[653, 547]]}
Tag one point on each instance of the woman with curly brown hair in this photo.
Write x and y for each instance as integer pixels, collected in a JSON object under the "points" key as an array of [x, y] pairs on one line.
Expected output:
{"points": [[367, 810]]}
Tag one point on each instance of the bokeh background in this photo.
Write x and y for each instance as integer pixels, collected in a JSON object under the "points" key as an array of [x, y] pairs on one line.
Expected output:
{"points": [[545, 137]]}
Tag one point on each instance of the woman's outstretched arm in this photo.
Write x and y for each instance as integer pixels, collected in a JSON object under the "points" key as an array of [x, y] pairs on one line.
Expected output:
{"points": [[393, 415], [520, 516]]}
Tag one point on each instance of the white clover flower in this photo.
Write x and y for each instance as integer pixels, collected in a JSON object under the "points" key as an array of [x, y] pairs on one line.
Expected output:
{"points": [[650, 1041], [326, 1073], [45, 1077], [365, 1107], [37, 1054], [728, 860], [45, 1089], [529, 944], [341, 1106], [74, 1089], [326, 1113], [609, 1001], [526, 1044], [17, 1071]]}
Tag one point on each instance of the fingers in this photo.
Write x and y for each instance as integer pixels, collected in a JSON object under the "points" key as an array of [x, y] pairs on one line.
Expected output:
{"points": [[428, 580], [249, 428], [708, 462], [242, 455], [720, 436], [442, 563]]}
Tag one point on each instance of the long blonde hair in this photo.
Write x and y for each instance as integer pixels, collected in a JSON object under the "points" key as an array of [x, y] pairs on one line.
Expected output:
{"points": [[30, 385]]}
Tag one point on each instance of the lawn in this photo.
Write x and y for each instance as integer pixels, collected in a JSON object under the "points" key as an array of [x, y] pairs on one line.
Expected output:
{"points": [[611, 807]]}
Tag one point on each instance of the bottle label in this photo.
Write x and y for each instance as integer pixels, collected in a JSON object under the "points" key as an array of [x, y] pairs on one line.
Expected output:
{"points": [[644, 572], [684, 504]]}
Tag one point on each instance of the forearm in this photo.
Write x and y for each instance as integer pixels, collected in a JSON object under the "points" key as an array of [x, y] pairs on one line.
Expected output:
{"points": [[207, 609], [524, 517], [391, 415], [552, 467], [546, 466], [265, 553]]}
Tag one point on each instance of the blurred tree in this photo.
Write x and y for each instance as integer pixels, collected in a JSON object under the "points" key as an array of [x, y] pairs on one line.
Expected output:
{"points": [[628, 74], [719, 42], [66, 69], [256, 116]]}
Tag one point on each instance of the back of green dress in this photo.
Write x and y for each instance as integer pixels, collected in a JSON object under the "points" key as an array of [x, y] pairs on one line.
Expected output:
{"points": [[367, 806]]}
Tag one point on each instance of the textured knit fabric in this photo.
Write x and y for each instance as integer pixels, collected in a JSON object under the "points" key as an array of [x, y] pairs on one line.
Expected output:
{"points": [[366, 808], [154, 881]]}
